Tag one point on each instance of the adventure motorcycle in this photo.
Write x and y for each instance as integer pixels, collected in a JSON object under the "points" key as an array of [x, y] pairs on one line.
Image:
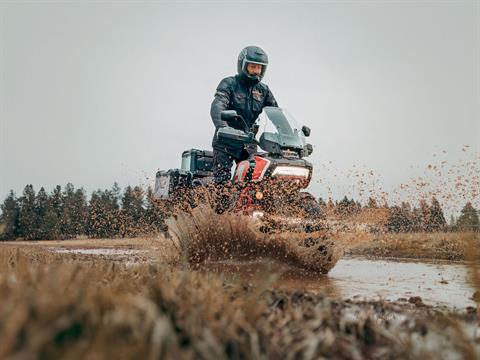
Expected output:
{"points": [[268, 185]]}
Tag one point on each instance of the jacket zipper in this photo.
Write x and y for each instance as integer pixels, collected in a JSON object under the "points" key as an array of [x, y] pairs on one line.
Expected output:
{"points": [[249, 102]]}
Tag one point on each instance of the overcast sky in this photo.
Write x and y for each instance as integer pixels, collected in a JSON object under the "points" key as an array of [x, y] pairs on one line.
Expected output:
{"points": [[93, 93]]}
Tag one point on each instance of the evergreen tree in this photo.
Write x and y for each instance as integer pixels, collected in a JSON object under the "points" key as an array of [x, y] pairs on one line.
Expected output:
{"points": [[342, 207], [399, 219], [42, 229], [26, 216], [416, 220], [133, 211], [155, 213], [9, 217], [372, 203], [468, 219], [57, 201], [115, 195], [407, 216], [330, 204], [358, 206], [68, 212], [103, 213], [79, 214], [424, 212], [436, 220]]}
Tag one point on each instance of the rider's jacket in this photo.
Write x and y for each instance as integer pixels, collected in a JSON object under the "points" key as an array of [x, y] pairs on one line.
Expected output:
{"points": [[233, 93]]}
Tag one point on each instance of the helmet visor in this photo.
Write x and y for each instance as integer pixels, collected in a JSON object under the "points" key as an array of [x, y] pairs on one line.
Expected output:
{"points": [[246, 72]]}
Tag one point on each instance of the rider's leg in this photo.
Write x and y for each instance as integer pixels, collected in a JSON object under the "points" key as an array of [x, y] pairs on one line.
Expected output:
{"points": [[249, 152], [222, 165]]}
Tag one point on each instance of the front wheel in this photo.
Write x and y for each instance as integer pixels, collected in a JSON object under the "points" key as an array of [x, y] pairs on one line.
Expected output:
{"points": [[310, 206]]}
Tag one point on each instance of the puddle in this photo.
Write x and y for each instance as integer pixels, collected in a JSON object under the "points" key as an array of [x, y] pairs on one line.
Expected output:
{"points": [[437, 284], [99, 251]]}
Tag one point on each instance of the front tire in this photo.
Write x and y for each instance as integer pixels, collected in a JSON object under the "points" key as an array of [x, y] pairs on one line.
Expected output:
{"points": [[310, 206]]}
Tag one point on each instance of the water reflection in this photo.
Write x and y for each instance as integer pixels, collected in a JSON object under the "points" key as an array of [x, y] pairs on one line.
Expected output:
{"points": [[439, 284]]}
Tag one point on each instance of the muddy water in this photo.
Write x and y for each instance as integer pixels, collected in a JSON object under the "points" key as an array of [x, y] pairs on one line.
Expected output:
{"points": [[438, 284], [98, 251]]}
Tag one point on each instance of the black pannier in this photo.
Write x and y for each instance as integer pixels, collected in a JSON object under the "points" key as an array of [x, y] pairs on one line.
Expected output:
{"points": [[167, 181], [199, 162]]}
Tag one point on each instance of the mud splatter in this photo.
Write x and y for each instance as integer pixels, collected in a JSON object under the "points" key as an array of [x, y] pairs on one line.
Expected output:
{"points": [[203, 236]]}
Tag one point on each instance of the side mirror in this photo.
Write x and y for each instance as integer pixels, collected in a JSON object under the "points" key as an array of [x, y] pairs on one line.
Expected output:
{"points": [[228, 115], [309, 149], [306, 131]]}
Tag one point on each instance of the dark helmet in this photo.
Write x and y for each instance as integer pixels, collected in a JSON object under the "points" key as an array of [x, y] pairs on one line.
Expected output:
{"points": [[255, 55]]}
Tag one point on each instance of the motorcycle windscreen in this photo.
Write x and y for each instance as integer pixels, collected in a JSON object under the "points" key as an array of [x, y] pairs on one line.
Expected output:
{"points": [[274, 120]]}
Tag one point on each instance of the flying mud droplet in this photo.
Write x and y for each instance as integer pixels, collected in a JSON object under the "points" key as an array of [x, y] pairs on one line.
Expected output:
{"points": [[204, 236]]}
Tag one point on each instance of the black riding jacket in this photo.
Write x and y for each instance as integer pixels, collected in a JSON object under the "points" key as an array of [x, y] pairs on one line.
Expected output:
{"points": [[233, 93]]}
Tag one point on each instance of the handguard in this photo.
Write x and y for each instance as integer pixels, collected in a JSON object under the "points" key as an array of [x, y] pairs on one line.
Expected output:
{"points": [[229, 133]]}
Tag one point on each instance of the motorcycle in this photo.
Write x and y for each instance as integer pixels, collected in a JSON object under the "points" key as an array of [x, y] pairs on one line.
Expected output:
{"points": [[269, 185]]}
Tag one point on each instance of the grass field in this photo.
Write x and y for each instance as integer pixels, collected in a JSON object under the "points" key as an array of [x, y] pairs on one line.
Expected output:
{"points": [[435, 246]]}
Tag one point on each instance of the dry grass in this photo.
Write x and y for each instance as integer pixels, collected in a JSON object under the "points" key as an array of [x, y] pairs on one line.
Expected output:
{"points": [[53, 306], [472, 251], [437, 245]]}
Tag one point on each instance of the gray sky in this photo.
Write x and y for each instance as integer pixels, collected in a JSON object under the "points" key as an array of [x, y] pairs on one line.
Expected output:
{"points": [[93, 93]]}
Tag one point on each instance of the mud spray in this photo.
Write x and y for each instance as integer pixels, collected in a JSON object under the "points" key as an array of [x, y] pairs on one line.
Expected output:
{"points": [[203, 236]]}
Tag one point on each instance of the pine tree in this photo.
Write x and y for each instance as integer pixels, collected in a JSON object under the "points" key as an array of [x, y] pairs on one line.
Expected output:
{"points": [[155, 213], [103, 213], [399, 219], [68, 211], [9, 217], [424, 212], [115, 195], [343, 207], [46, 222], [330, 204], [133, 211], [127, 221], [468, 219], [57, 201], [26, 216], [372, 203], [436, 220], [79, 213], [407, 216]]}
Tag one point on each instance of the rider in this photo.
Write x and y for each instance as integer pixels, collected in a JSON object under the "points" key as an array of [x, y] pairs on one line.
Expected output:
{"points": [[246, 94]]}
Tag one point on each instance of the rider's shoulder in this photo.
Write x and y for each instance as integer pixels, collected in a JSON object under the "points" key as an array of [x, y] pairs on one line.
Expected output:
{"points": [[227, 82]]}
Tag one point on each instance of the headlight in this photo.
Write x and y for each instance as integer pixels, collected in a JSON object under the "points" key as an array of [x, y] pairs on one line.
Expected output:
{"points": [[291, 171]]}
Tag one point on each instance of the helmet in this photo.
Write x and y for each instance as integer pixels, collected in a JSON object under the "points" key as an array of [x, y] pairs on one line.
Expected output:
{"points": [[252, 55]]}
